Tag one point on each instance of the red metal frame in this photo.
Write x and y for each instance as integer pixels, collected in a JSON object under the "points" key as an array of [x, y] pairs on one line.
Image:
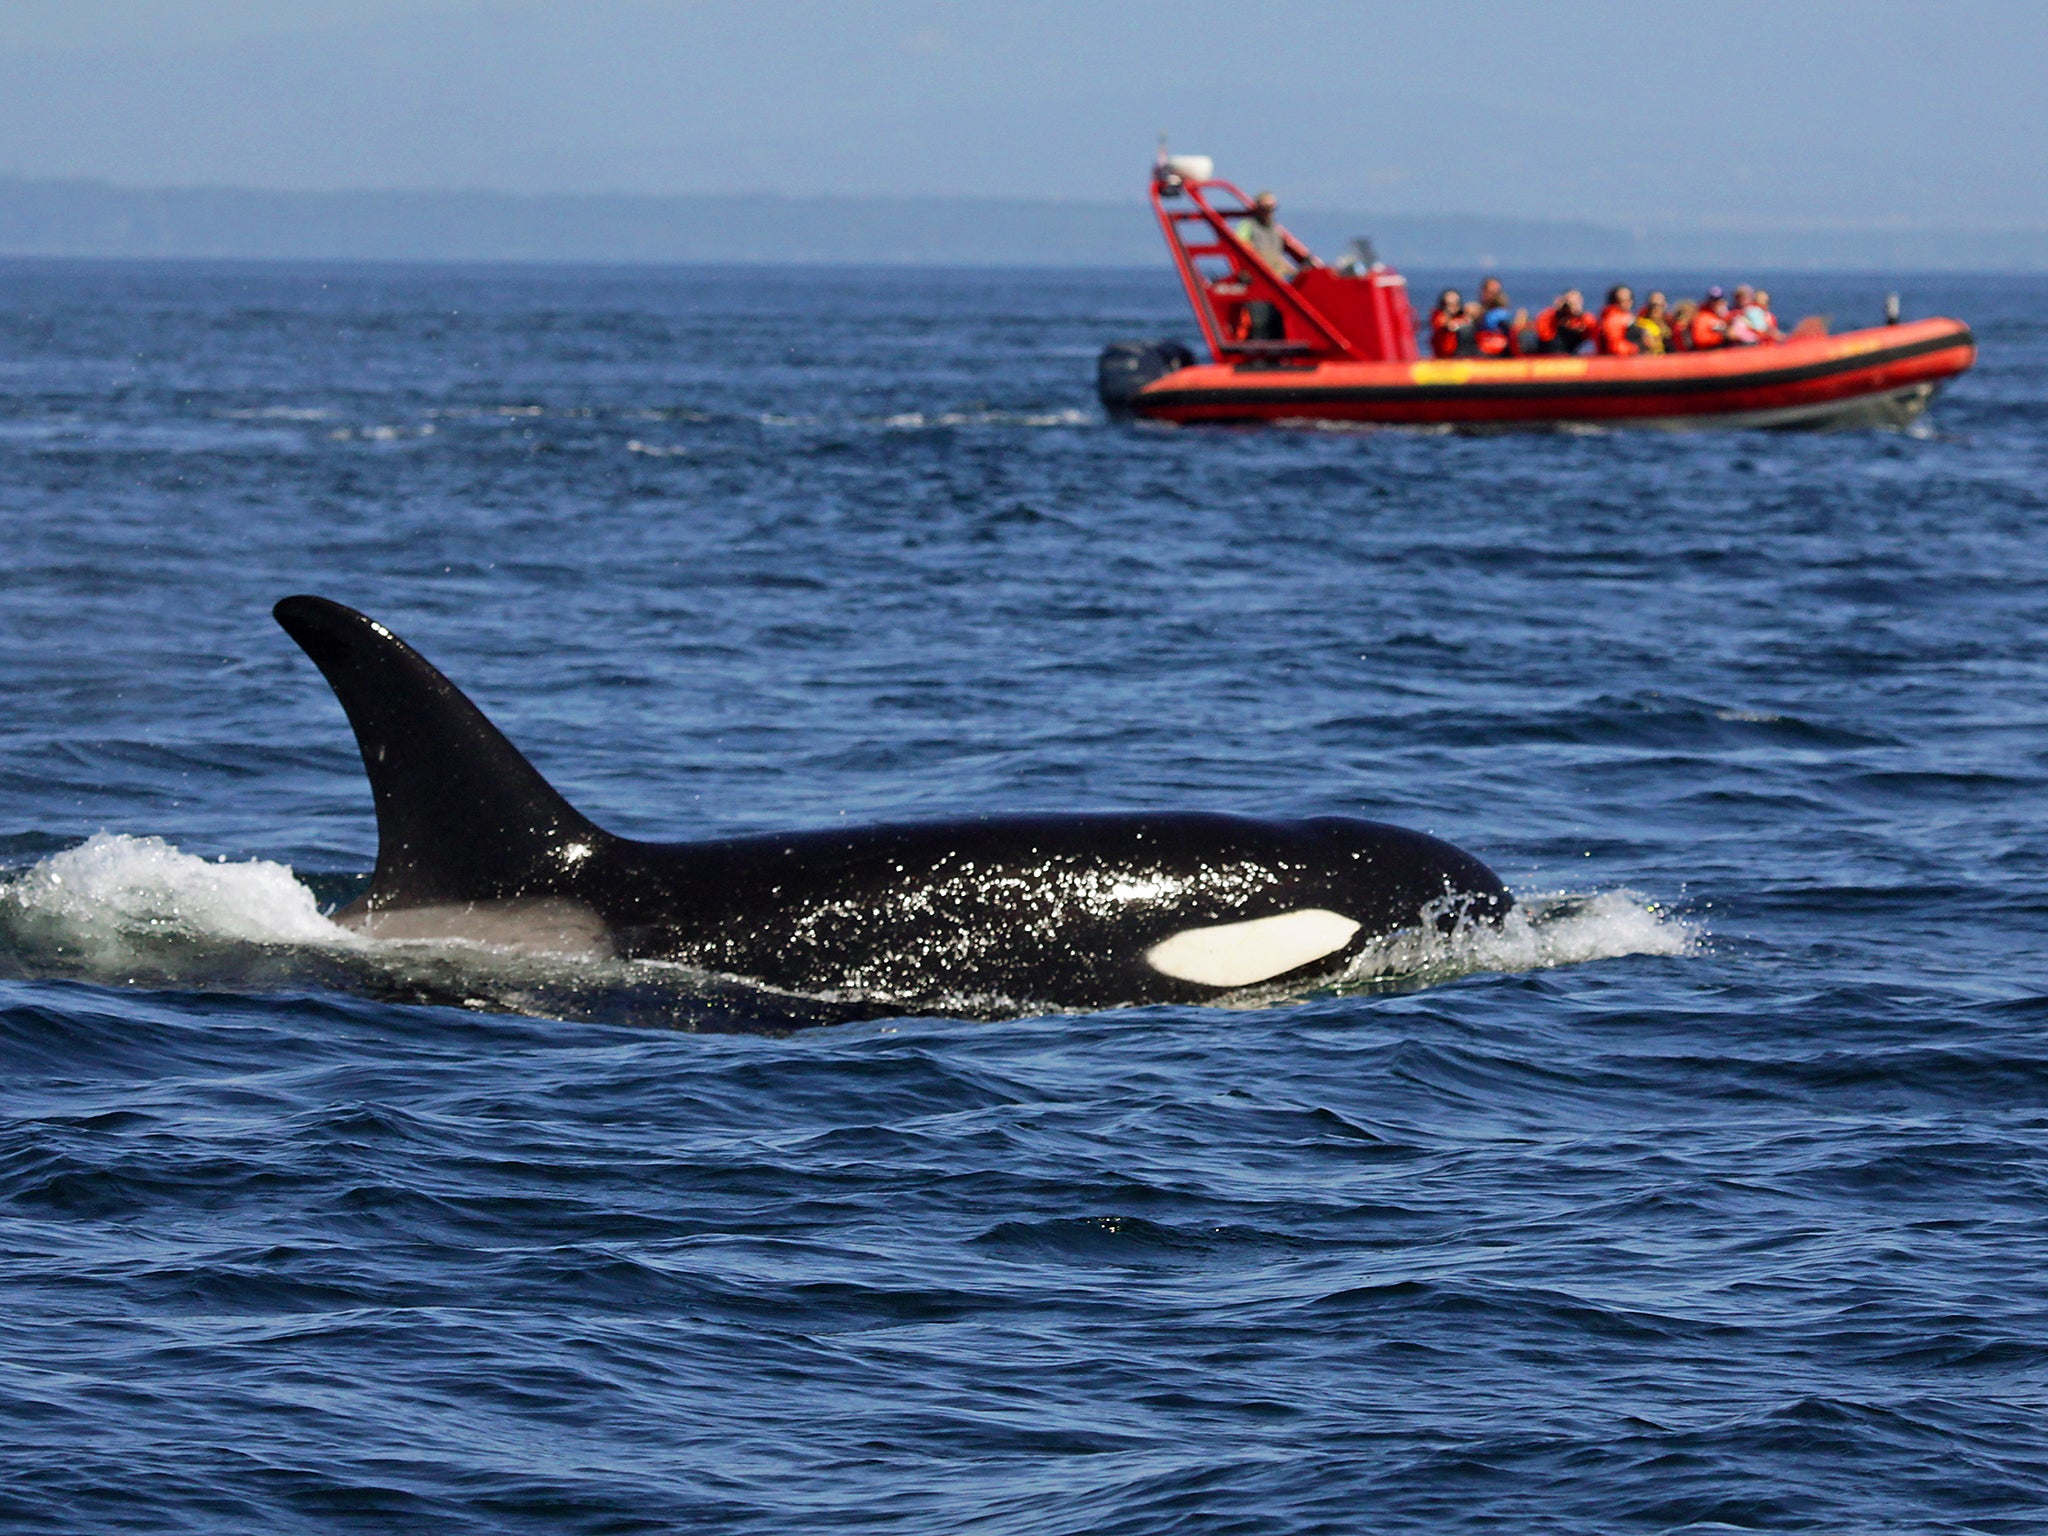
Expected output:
{"points": [[1326, 315]]}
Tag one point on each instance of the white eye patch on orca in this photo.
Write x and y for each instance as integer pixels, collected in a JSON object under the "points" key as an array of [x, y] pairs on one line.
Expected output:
{"points": [[1238, 954]]}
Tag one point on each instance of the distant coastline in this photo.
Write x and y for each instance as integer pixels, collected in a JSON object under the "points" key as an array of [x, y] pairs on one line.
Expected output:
{"points": [[97, 219]]}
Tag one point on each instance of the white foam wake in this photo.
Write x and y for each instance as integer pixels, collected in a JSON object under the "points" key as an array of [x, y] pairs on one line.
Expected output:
{"points": [[1542, 930], [113, 888], [912, 421]]}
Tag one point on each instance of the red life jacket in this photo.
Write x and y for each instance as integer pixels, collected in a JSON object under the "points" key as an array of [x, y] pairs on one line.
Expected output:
{"points": [[1709, 330], [1615, 320], [1445, 334]]}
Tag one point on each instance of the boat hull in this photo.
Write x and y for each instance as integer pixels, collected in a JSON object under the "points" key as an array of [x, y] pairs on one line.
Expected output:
{"points": [[1878, 377]]}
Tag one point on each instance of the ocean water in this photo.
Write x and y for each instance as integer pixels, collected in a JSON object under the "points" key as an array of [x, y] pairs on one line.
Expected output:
{"points": [[1711, 1194]]}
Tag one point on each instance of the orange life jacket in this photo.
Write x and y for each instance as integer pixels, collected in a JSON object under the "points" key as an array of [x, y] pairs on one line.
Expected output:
{"points": [[1709, 330], [1615, 320]]}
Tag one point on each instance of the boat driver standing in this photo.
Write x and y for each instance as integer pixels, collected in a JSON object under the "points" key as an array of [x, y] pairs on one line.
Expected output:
{"points": [[1268, 240], [1265, 236]]}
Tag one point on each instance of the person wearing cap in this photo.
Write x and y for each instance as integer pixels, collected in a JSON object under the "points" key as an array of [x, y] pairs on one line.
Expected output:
{"points": [[1710, 325]]}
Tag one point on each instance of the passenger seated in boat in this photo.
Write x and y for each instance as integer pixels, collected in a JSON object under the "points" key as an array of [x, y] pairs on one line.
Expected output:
{"points": [[1653, 323], [1765, 322], [1709, 327], [1740, 332], [1615, 331], [1498, 330], [1564, 326], [1682, 314], [1450, 325], [1750, 321]]}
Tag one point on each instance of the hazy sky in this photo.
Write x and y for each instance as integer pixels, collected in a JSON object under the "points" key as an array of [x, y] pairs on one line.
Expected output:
{"points": [[1911, 112]]}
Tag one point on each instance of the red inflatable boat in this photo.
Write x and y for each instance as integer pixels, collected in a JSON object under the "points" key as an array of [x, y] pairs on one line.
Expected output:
{"points": [[1338, 345]]}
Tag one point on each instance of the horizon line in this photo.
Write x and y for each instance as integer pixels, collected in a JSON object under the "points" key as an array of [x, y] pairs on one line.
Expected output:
{"points": [[1632, 227]]}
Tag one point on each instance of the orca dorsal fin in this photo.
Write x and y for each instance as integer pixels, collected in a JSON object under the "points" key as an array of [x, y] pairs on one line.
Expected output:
{"points": [[462, 816]]}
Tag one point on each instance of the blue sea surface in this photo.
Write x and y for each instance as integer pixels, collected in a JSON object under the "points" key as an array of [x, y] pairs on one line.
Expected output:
{"points": [[1710, 1195]]}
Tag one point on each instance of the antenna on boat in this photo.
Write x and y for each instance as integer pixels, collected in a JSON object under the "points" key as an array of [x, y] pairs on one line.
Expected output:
{"points": [[1165, 172], [1891, 309]]}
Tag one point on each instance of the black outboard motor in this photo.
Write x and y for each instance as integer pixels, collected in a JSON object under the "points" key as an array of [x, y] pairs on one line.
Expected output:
{"points": [[1126, 367]]}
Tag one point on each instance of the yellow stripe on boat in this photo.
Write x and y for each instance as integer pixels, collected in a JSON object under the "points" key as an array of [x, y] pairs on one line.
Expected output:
{"points": [[1532, 370]]}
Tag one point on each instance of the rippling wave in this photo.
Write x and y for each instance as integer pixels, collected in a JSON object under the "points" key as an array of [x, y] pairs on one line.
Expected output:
{"points": [[1707, 1193]]}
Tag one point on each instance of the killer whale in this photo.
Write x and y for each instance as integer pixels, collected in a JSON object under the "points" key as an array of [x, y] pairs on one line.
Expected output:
{"points": [[990, 916]]}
